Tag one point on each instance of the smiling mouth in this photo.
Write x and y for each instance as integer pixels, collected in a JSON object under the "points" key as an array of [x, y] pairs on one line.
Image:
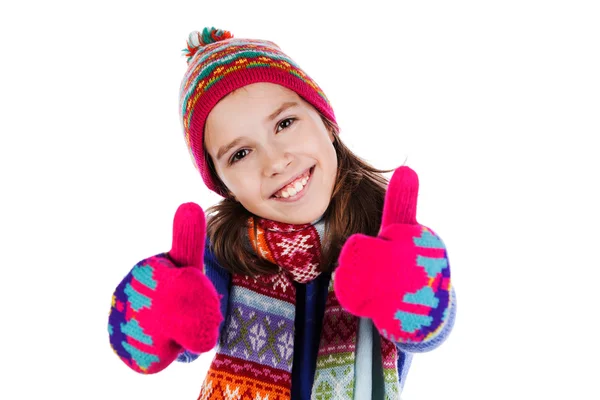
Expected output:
{"points": [[296, 188]]}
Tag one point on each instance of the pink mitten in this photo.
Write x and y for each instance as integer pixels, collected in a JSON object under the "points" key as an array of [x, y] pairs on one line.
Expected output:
{"points": [[401, 278], [166, 303]]}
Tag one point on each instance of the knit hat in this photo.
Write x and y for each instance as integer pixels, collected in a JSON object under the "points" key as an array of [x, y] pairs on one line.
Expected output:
{"points": [[218, 64]]}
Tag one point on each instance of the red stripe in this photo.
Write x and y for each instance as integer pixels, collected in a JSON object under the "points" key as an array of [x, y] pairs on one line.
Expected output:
{"points": [[251, 370]]}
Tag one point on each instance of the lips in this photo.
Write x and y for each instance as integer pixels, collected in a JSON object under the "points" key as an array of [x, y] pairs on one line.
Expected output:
{"points": [[307, 172]]}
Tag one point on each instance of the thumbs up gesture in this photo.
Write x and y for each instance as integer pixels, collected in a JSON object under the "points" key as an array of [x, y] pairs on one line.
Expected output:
{"points": [[166, 303], [401, 278]]}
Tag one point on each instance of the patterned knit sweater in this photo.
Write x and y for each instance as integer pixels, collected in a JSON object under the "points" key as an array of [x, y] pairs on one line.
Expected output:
{"points": [[310, 306]]}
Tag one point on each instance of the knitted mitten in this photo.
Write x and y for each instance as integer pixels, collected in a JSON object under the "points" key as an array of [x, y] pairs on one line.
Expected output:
{"points": [[401, 278], [166, 303]]}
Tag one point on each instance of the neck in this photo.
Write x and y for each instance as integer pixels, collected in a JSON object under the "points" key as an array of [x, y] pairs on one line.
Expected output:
{"points": [[269, 224]]}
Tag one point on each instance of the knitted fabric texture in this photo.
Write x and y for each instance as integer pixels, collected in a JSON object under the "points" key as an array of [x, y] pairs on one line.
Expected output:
{"points": [[159, 309], [408, 265], [255, 354], [218, 64], [166, 303], [128, 340]]}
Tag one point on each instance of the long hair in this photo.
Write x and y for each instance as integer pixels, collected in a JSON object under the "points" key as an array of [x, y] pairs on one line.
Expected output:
{"points": [[356, 206]]}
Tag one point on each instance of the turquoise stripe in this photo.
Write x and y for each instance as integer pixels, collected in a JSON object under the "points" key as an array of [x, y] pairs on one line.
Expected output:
{"points": [[143, 274], [274, 51], [210, 66], [136, 299], [261, 302], [144, 360], [433, 266], [132, 328], [411, 322], [424, 296], [428, 240], [242, 52], [110, 329]]}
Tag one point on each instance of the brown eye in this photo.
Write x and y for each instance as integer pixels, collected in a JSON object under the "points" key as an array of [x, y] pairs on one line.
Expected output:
{"points": [[286, 123], [238, 156]]}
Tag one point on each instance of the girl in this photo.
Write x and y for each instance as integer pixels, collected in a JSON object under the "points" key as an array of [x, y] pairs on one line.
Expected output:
{"points": [[311, 288]]}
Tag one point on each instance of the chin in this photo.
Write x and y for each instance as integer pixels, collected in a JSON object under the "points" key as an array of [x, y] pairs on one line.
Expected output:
{"points": [[298, 221], [297, 215], [304, 217], [295, 218]]}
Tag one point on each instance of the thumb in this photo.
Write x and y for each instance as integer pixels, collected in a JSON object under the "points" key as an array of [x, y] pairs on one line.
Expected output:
{"points": [[400, 205], [189, 228]]}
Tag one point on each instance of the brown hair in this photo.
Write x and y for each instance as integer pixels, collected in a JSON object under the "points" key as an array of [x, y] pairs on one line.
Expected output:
{"points": [[356, 206]]}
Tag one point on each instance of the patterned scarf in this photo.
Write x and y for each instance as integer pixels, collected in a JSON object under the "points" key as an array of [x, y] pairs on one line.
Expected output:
{"points": [[256, 349]]}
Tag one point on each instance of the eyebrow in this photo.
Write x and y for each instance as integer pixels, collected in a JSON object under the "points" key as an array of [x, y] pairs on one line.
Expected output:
{"points": [[225, 149], [280, 109]]}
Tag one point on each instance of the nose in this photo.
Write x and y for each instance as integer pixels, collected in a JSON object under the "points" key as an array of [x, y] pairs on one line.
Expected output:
{"points": [[275, 161]]}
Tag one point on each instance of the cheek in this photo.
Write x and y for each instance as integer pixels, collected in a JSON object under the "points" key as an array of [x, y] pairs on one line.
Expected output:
{"points": [[330, 160], [332, 173], [229, 180], [242, 182]]}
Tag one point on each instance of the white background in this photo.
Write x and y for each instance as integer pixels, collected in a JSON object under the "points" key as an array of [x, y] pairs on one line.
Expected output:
{"points": [[496, 104]]}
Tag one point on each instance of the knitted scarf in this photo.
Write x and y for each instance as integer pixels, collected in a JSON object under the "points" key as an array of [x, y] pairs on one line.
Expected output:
{"points": [[256, 349]]}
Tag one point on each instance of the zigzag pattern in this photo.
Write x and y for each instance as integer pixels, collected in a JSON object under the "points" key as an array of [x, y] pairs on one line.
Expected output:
{"points": [[215, 61], [434, 298], [334, 378], [256, 348], [127, 338], [389, 356], [334, 383], [227, 386]]}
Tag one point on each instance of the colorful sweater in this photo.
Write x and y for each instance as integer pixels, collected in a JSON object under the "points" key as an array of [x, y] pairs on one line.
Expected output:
{"points": [[310, 306]]}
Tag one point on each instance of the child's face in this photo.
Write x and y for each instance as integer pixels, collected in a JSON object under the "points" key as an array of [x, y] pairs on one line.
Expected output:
{"points": [[278, 136]]}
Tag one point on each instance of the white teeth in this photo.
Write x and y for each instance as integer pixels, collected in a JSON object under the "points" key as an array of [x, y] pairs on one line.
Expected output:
{"points": [[295, 189]]}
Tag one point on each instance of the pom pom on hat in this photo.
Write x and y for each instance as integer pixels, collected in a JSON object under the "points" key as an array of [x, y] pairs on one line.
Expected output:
{"points": [[196, 40]]}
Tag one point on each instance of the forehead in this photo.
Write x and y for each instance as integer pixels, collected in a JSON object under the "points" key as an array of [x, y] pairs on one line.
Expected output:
{"points": [[252, 97], [248, 105]]}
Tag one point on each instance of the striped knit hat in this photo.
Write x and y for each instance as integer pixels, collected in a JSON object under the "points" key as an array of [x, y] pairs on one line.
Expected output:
{"points": [[218, 64]]}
